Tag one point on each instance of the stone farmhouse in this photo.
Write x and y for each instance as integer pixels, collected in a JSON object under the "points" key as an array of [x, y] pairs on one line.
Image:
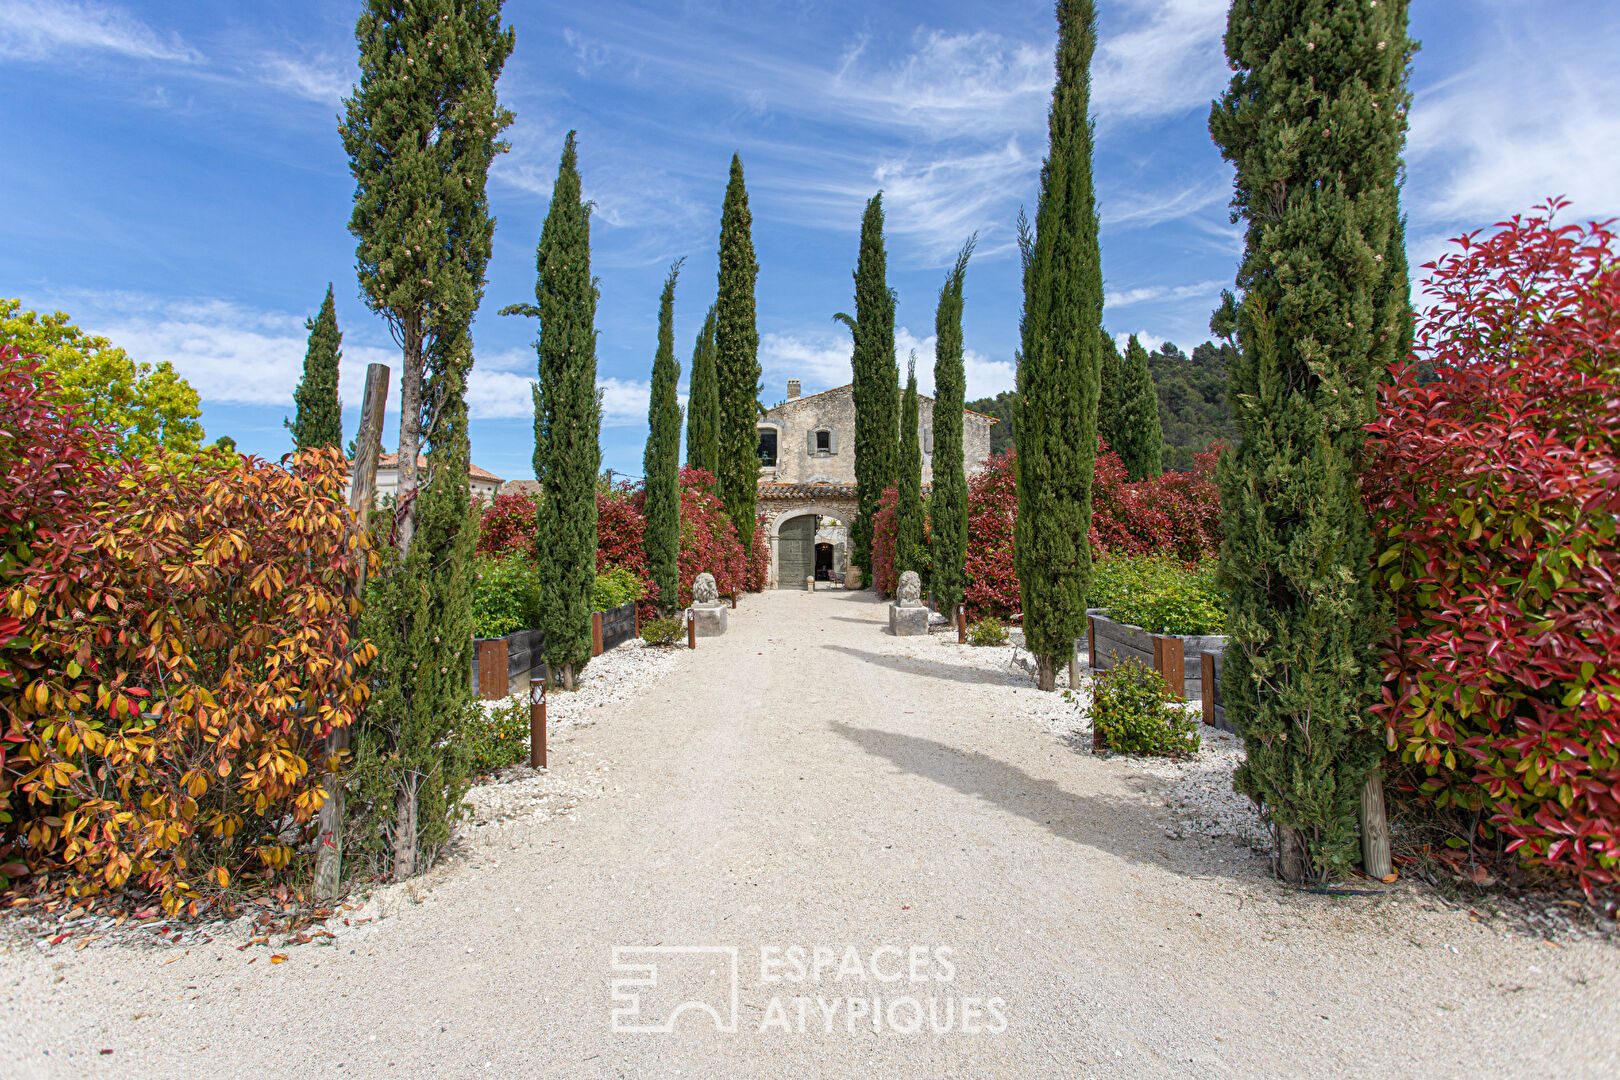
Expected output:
{"points": [[481, 482], [807, 477]]}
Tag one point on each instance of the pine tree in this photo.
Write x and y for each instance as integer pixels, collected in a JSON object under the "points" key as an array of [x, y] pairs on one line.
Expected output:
{"points": [[567, 420], [319, 419], [1141, 440], [1059, 364], [661, 466], [910, 548], [420, 132], [736, 346], [703, 403], [875, 386], [1110, 381], [1314, 122], [947, 505]]}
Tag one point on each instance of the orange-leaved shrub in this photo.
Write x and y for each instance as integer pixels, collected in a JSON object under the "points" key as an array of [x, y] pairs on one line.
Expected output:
{"points": [[1494, 486], [176, 643]]}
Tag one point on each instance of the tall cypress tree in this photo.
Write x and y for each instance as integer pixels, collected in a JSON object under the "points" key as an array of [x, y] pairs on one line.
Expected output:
{"points": [[319, 419], [1109, 395], [420, 132], [947, 506], [1314, 122], [875, 387], [703, 403], [661, 465], [1059, 364], [1141, 439], [567, 451], [736, 346], [910, 550]]}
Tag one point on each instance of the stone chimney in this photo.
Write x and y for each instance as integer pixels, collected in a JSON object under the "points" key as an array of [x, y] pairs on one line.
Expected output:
{"points": [[793, 389]]}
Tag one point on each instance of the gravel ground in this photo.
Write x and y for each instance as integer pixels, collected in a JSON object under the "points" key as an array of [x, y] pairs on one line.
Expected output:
{"points": [[918, 820]]}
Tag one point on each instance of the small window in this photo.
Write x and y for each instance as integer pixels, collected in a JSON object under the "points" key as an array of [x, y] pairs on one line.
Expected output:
{"points": [[823, 442], [767, 447]]}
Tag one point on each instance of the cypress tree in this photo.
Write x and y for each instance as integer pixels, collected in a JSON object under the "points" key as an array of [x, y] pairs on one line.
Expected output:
{"points": [[1111, 376], [1314, 121], [567, 420], [703, 403], [1059, 364], [420, 132], [1141, 440], [875, 386], [736, 347], [947, 506], [910, 550], [661, 466], [319, 419]]}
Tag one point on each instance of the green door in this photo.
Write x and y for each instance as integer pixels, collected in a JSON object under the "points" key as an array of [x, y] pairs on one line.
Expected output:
{"points": [[795, 551]]}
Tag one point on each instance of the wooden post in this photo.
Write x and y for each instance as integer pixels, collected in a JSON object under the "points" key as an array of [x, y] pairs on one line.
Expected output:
{"points": [[1374, 828], [961, 624], [492, 681], [1206, 672], [691, 630], [362, 491], [537, 723], [1091, 641], [637, 609], [1169, 659], [596, 633]]}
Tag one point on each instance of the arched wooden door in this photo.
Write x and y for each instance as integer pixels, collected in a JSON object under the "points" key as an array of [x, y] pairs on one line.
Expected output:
{"points": [[795, 551]]}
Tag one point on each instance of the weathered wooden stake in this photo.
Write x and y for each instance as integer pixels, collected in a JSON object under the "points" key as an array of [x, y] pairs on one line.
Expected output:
{"points": [[537, 723], [1206, 662], [492, 681], [596, 633], [362, 490], [1374, 828]]}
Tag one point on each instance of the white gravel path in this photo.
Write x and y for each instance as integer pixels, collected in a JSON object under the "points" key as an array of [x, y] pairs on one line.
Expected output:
{"points": [[809, 781]]}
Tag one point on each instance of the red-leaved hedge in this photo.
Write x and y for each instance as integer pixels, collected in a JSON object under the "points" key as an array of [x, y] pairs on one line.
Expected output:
{"points": [[992, 580], [885, 524], [1494, 489]]}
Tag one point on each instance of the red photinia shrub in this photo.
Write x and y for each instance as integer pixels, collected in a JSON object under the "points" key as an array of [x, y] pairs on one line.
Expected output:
{"points": [[1176, 514], [709, 542], [992, 580], [507, 524], [620, 524], [885, 524], [1494, 490], [189, 628]]}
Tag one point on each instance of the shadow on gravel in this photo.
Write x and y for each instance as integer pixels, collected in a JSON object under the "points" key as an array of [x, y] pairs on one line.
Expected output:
{"points": [[934, 669], [1117, 826]]}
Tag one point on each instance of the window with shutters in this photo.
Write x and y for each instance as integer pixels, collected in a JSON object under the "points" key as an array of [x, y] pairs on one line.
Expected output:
{"points": [[823, 442]]}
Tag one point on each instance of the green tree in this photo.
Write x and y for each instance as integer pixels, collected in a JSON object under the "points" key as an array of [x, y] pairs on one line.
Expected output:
{"points": [[875, 386], [1110, 392], [1314, 121], [146, 405], [736, 345], [420, 131], [947, 505], [661, 465], [1141, 441], [1192, 400], [567, 420], [703, 403], [910, 546], [1059, 365], [319, 420]]}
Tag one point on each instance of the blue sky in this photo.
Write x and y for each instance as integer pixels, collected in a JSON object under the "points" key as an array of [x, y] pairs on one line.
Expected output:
{"points": [[174, 178]]}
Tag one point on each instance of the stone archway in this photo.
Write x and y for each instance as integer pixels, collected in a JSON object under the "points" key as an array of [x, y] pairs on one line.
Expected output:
{"points": [[779, 511]]}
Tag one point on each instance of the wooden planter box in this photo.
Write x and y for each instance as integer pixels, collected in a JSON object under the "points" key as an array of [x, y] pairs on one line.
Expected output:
{"points": [[1214, 705], [1174, 656], [504, 665]]}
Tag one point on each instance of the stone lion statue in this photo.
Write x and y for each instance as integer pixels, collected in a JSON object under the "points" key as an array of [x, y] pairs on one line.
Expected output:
{"points": [[704, 590], [910, 589]]}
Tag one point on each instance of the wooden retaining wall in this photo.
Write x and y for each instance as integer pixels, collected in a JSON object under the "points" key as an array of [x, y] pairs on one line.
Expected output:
{"points": [[1174, 656]]}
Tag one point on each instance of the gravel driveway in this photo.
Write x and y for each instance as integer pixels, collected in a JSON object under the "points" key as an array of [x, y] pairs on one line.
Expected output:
{"points": [[916, 878]]}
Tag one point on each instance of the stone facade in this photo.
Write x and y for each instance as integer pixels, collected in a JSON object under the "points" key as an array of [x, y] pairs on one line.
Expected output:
{"points": [[807, 467]]}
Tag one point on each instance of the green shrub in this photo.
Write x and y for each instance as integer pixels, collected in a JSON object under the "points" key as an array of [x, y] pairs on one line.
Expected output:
{"points": [[662, 631], [616, 588], [495, 738], [1159, 594], [987, 632], [506, 595], [1129, 707]]}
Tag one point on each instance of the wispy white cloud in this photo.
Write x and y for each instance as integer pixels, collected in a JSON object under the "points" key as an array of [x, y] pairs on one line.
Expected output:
{"points": [[321, 78], [1143, 209], [49, 29], [1170, 61], [1146, 293], [1149, 341], [822, 361]]}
